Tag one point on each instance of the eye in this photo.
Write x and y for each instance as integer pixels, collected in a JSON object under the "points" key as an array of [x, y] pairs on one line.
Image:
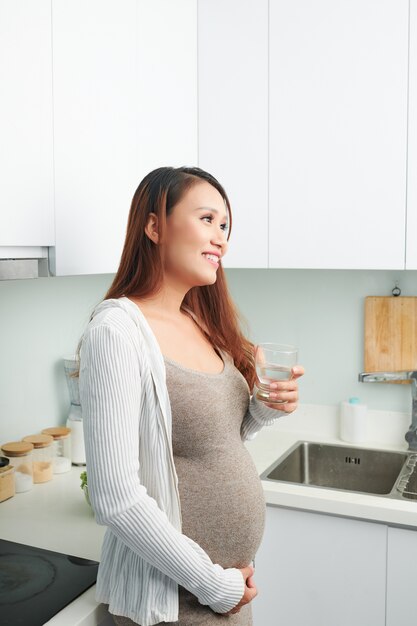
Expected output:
{"points": [[210, 218]]}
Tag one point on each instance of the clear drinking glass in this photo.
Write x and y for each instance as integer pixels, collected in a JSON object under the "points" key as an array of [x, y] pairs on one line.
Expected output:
{"points": [[273, 362]]}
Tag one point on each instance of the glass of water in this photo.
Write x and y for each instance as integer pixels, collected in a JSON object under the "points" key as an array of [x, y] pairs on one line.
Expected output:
{"points": [[274, 362]]}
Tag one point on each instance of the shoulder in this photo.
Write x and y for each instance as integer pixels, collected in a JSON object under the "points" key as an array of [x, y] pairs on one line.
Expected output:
{"points": [[110, 340], [194, 317], [112, 319], [227, 357]]}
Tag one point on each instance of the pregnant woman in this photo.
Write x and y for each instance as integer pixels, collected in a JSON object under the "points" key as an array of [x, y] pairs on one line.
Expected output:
{"points": [[166, 384]]}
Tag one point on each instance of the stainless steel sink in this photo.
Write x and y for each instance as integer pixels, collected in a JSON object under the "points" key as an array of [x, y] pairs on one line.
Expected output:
{"points": [[340, 467], [407, 483], [410, 491]]}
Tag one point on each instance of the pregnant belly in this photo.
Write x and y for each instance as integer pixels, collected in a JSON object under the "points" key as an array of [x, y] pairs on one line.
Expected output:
{"points": [[222, 505]]}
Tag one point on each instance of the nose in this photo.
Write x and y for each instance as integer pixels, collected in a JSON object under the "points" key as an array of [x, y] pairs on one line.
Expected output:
{"points": [[219, 239]]}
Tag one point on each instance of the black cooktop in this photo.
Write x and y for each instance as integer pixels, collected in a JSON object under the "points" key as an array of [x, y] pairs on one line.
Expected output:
{"points": [[36, 584]]}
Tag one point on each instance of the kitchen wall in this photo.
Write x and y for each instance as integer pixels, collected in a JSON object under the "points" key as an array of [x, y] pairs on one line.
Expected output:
{"points": [[320, 311]]}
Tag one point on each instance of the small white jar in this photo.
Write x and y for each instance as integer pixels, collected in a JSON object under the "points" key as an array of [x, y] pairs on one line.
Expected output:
{"points": [[43, 455], [62, 448], [20, 455]]}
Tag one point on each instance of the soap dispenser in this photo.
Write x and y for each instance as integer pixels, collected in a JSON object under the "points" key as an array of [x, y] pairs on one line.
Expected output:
{"points": [[353, 421]]}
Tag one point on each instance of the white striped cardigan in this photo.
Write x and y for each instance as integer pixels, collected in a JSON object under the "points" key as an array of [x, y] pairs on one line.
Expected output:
{"points": [[127, 428]]}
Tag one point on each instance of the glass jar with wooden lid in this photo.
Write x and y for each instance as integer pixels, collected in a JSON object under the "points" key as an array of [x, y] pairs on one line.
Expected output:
{"points": [[43, 455], [20, 456], [62, 448], [7, 489]]}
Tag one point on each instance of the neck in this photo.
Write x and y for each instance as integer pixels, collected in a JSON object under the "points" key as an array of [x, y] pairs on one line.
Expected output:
{"points": [[166, 301]]}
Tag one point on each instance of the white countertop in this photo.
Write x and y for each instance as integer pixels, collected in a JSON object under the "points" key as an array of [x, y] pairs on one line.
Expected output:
{"points": [[55, 515]]}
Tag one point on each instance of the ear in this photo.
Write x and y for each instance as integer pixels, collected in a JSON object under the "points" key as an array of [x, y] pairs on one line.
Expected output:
{"points": [[151, 228]]}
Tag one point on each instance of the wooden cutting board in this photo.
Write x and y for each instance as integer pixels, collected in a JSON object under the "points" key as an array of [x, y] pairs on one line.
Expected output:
{"points": [[390, 333]]}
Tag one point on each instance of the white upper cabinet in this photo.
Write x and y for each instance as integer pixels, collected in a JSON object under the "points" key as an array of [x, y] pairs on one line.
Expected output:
{"points": [[305, 111], [167, 78], [233, 117], [125, 102], [95, 131], [411, 254], [338, 134], [26, 148]]}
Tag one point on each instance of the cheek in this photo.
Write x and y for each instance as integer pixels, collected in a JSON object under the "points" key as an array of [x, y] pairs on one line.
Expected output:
{"points": [[185, 233], [185, 241], [193, 240], [182, 251]]}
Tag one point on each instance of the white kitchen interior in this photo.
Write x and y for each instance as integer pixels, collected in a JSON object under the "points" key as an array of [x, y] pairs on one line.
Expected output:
{"points": [[306, 112]]}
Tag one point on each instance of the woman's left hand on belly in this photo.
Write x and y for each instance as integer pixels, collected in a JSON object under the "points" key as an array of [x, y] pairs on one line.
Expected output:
{"points": [[250, 589]]}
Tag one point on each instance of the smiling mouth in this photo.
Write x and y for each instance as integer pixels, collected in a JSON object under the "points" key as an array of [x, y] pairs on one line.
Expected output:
{"points": [[212, 258]]}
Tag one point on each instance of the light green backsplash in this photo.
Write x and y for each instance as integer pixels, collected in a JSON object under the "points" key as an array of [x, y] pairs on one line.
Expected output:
{"points": [[41, 322], [320, 311]]}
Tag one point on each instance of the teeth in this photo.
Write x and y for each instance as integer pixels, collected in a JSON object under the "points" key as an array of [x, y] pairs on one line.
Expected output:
{"points": [[211, 257]]}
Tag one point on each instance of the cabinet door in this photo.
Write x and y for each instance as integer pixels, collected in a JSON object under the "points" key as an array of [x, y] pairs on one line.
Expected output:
{"points": [[233, 117], [26, 165], [95, 131], [167, 77], [320, 570], [401, 576], [411, 250], [338, 133], [125, 102]]}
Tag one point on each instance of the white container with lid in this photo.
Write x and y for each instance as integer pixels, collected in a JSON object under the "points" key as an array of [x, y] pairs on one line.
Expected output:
{"points": [[353, 421], [20, 456], [43, 455], [62, 448]]}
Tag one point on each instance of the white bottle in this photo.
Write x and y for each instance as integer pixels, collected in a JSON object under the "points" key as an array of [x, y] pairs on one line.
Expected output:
{"points": [[77, 438], [353, 421]]}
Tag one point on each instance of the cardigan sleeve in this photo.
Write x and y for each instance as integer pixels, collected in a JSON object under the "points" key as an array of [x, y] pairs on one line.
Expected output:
{"points": [[110, 393], [257, 416]]}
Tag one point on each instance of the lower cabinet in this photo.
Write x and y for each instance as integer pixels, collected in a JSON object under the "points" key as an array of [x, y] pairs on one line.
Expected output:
{"points": [[319, 570], [401, 576]]}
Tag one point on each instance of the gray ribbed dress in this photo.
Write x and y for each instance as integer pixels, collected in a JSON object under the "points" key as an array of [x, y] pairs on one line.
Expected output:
{"points": [[222, 502]]}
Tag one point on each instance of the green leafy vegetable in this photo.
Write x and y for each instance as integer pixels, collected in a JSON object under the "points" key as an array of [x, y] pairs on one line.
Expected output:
{"points": [[83, 477]]}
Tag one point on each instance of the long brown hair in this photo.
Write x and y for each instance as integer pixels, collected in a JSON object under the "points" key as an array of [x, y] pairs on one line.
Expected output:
{"points": [[140, 272]]}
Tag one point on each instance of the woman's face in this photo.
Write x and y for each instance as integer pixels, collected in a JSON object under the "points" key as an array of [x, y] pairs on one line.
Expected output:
{"points": [[196, 237]]}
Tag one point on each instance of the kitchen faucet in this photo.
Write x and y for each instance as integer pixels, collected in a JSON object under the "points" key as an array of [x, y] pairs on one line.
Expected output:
{"points": [[383, 377]]}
